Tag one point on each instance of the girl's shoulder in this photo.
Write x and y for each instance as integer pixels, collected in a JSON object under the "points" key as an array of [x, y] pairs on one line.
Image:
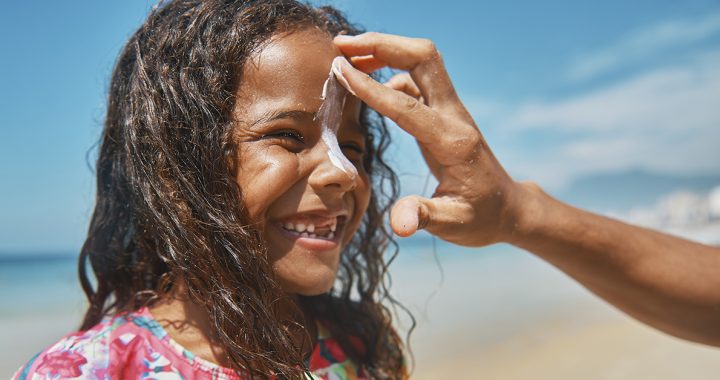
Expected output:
{"points": [[135, 346], [126, 346], [74, 355]]}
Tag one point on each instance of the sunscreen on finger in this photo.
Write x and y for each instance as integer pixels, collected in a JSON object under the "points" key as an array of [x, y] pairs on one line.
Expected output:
{"points": [[330, 117]]}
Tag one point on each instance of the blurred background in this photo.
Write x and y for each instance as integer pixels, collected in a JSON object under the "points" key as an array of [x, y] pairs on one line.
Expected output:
{"points": [[612, 106]]}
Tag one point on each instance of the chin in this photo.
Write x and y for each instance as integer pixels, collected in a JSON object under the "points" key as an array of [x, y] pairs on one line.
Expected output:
{"points": [[311, 285]]}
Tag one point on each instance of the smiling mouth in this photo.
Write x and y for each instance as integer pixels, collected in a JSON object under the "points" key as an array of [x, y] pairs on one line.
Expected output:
{"points": [[327, 230], [308, 231]]}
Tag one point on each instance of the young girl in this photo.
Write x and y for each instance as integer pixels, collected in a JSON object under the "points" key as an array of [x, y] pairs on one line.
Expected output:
{"points": [[225, 241]]}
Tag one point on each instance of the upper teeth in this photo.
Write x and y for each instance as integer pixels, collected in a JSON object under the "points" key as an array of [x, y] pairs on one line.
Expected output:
{"points": [[308, 228]]}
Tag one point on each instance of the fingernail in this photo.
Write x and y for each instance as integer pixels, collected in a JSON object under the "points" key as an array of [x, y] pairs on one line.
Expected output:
{"points": [[343, 38], [339, 64], [409, 223]]}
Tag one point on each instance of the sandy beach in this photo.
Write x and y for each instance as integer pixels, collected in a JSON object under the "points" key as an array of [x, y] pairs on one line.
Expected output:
{"points": [[23, 337], [617, 348], [508, 315]]}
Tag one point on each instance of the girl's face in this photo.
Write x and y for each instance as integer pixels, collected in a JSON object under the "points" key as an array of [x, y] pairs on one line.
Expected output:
{"points": [[306, 207]]}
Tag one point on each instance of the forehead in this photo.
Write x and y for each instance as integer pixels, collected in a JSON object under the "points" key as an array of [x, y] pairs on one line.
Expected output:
{"points": [[288, 72]]}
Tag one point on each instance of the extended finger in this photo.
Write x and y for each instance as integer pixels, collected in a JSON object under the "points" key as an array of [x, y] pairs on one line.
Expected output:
{"points": [[367, 64], [403, 82], [417, 56], [438, 216], [407, 112], [408, 216]]}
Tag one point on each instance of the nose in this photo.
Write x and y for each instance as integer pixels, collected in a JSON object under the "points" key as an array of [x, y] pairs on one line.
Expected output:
{"points": [[331, 173]]}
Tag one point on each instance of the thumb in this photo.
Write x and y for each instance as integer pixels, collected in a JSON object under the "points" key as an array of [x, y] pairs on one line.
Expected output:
{"points": [[409, 214], [446, 217]]}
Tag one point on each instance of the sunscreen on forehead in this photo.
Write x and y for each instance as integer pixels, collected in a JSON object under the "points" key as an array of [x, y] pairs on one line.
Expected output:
{"points": [[330, 116]]}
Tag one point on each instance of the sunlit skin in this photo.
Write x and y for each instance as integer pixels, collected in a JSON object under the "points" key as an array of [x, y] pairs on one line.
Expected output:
{"points": [[667, 282], [285, 175]]}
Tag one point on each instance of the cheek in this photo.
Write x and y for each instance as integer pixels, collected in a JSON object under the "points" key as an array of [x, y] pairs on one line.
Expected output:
{"points": [[361, 197], [264, 175], [364, 193]]}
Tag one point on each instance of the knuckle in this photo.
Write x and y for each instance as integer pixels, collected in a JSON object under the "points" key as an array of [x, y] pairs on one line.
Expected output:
{"points": [[407, 108], [532, 186], [474, 140], [427, 44], [371, 35], [427, 48], [466, 145], [409, 104]]}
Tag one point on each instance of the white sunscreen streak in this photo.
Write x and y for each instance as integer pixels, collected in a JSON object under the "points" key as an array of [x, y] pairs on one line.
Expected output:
{"points": [[330, 116]]}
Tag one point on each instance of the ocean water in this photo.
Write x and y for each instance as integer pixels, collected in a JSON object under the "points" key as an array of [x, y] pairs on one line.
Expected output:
{"points": [[40, 301], [37, 284], [31, 285]]}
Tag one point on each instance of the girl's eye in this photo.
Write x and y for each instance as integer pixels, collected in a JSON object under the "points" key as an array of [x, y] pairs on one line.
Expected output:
{"points": [[287, 139], [286, 135], [353, 151]]}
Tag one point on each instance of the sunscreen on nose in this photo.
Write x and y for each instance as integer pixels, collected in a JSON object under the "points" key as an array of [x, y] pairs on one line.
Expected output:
{"points": [[330, 117]]}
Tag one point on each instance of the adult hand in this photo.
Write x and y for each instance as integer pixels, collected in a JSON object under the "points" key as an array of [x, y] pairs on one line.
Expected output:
{"points": [[476, 201], [667, 282]]}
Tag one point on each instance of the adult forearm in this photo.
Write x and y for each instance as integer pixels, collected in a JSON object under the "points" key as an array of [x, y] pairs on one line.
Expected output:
{"points": [[670, 283]]}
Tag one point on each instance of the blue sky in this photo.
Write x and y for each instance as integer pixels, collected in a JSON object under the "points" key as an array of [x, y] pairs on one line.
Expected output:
{"points": [[560, 89]]}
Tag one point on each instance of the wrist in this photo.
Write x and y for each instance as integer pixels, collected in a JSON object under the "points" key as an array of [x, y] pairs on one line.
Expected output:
{"points": [[525, 212]]}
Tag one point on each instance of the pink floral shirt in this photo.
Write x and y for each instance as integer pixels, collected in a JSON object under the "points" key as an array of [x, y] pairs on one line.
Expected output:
{"points": [[135, 346]]}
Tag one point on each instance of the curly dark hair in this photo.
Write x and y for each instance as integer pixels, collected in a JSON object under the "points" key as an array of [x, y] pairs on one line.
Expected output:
{"points": [[168, 206]]}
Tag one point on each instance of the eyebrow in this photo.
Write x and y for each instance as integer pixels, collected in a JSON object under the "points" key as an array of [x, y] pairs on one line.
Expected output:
{"points": [[299, 115], [284, 114]]}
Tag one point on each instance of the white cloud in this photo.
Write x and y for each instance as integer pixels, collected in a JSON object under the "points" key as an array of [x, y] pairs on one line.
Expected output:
{"points": [[666, 120], [691, 215], [667, 99], [644, 43]]}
